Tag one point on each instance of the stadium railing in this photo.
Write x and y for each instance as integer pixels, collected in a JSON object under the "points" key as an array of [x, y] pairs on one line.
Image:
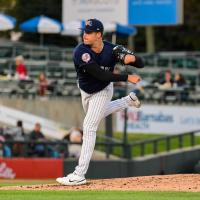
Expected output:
{"points": [[170, 142], [128, 150]]}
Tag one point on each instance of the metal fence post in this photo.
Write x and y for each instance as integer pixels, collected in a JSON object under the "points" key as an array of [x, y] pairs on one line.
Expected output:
{"points": [[142, 149], [109, 134], [168, 146], [180, 138], [155, 147], [192, 138], [127, 151]]}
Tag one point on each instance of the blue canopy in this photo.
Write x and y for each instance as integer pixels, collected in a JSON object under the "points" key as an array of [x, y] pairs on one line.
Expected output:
{"points": [[125, 30], [42, 24], [6, 22]]}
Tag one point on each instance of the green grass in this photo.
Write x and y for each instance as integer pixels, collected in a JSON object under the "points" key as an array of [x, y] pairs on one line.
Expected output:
{"points": [[97, 195], [161, 147], [135, 136], [15, 182]]}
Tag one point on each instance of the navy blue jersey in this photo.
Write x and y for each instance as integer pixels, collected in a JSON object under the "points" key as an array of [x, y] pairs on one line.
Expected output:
{"points": [[83, 55]]}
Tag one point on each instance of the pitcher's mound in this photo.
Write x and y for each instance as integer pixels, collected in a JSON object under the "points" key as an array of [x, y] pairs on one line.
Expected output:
{"points": [[179, 182]]}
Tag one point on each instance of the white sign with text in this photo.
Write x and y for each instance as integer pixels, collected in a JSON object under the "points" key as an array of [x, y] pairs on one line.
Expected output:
{"points": [[104, 10], [160, 119]]}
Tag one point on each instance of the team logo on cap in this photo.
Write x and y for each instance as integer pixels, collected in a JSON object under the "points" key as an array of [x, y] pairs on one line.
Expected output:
{"points": [[86, 57], [88, 23]]}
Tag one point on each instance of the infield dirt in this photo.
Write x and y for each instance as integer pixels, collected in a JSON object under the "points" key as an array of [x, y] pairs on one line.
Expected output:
{"points": [[179, 182]]}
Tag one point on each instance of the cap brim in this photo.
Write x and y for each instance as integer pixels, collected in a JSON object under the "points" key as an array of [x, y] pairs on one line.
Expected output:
{"points": [[87, 30]]}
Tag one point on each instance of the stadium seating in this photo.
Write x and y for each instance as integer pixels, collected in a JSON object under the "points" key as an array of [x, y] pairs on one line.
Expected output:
{"points": [[57, 64]]}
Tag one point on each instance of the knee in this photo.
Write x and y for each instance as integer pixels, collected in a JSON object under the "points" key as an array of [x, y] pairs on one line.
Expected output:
{"points": [[90, 127]]}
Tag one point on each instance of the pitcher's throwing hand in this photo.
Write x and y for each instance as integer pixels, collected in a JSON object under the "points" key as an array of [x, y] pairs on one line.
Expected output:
{"points": [[134, 78]]}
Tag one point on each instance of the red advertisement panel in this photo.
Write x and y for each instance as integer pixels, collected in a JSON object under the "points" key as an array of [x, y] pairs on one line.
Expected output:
{"points": [[31, 168]]}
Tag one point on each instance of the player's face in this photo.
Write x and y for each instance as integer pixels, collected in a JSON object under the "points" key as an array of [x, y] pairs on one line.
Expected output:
{"points": [[91, 38]]}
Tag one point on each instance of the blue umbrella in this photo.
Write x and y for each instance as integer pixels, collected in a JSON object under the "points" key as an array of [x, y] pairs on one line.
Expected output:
{"points": [[125, 30], [42, 24], [121, 29], [6, 22]]}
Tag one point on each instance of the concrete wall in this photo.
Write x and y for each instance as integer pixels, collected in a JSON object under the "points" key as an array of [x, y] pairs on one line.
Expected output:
{"points": [[101, 168], [182, 161], [67, 111]]}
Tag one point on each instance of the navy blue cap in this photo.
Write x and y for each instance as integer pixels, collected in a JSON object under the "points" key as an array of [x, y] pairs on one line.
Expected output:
{"points": [[93, 25]]}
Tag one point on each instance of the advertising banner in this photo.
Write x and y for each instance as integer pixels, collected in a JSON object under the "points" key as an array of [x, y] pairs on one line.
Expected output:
{"points": [[104, 10], [155, 12], [127, 12], [160, 119], [31, 168]]}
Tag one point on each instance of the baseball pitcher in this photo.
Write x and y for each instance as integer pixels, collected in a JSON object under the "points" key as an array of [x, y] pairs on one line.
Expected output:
{"points": [[94, 61]]}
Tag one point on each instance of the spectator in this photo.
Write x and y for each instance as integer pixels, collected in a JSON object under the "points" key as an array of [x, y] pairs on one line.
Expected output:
{"points": [[17, 135], [5, 150], [74, 136], [37, 136], [1, 145], [21, 71], [167, 82], [43, 84], [39, 149], [179, 80]]}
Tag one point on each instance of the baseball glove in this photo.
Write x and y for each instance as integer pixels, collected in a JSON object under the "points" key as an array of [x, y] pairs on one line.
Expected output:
{"points": [[120, 52]]}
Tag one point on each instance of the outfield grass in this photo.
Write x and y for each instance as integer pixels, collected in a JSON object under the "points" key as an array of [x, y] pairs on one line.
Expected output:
{"points": [[118, 151], [97, 195]]}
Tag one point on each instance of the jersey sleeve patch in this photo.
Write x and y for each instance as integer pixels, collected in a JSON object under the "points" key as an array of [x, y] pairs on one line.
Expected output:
{"points": [[86, 57]]}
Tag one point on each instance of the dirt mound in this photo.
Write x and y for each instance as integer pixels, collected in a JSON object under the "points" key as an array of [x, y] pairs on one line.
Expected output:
{"points": [[180, 182]]}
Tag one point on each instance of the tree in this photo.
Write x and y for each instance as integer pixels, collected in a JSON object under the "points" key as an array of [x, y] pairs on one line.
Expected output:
{"points": [[26, 9], [6, 5]]}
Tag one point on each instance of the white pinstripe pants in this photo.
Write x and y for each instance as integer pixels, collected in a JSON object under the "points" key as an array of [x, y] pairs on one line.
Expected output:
{"points": [[96, 106]]}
